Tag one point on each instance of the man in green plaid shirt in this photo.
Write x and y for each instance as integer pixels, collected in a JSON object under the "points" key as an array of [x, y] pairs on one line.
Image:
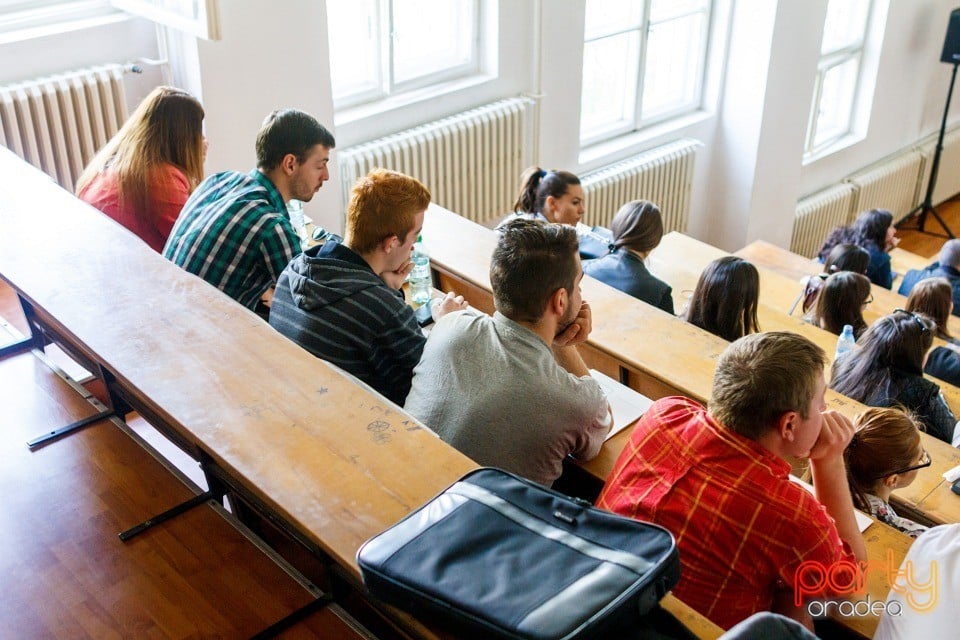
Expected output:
{"points": [[234, 231]]}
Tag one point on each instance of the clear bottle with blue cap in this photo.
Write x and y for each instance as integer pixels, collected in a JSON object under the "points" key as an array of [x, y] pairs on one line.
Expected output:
{"points": [[421, 278], [846, 342]]}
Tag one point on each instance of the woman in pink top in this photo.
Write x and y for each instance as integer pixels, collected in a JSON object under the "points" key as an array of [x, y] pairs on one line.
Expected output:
{"points": [[145, 173]]}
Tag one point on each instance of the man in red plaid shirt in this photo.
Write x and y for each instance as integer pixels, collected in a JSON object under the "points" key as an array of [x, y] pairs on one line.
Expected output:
{"points": [[717, 478]]}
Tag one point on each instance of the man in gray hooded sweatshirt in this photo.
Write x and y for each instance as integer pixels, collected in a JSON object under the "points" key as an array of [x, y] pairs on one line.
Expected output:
{"points": [[343, 301]]}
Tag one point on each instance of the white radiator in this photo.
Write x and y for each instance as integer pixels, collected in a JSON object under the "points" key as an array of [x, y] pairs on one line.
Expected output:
{"points": [[892, 184], [818, 214], [663, 175], [58, 123], [471, 162], [948, 176]]}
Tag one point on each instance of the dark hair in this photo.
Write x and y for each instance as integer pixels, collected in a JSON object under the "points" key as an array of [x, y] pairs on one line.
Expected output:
{"points": [[841, 301], [885, 440], [532, 260], [933, 296], [897, 341], [538, 185], [726, 299], [762, 376], [870, 227], [638, 225], [847, 257], [289, 131]]}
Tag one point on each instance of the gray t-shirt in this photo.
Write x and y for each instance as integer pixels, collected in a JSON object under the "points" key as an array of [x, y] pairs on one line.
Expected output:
{"points": [[493, 389]]}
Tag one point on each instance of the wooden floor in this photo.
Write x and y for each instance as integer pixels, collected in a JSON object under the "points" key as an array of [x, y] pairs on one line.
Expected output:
{"points": [[65, 572], [928, 243]]}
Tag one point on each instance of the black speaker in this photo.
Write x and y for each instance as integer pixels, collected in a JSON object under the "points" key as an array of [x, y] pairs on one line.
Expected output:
{"points": [[951, 44]]}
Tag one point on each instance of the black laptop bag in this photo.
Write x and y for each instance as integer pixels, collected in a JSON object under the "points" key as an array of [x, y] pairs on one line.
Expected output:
{"points": [[498, 556]]}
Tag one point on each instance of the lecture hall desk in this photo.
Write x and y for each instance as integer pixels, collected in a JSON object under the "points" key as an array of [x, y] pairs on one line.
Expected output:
{"points": [[333, 461], [460, 253]]}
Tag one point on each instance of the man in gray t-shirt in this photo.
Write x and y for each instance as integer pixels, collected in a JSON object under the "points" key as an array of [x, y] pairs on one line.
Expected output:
{"points": [[512, 391]]}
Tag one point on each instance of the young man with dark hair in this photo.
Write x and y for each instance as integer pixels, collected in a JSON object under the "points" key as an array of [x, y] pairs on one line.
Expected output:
{"points": [[511, 390], [234, 231], [343, 302], [718, 479]]}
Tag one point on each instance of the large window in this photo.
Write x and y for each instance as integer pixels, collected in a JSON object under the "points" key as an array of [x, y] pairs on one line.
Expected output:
{"points": [[382, 47], [643, 62], [838, 73]]}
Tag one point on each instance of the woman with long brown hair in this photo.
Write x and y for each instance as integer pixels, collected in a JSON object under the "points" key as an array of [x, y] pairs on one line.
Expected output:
{"points": [[145, 173], [726, 299], [841, 302], [886, 370]]}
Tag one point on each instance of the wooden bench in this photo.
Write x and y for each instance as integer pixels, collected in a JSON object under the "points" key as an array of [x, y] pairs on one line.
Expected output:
{"points": [[328, 461]]}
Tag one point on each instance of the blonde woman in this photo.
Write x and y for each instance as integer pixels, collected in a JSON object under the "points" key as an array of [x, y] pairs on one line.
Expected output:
{"points": [[146, 172]]}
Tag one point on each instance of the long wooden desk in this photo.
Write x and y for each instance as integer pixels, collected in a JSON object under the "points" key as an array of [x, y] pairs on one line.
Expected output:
{"points": [[331, 461]]}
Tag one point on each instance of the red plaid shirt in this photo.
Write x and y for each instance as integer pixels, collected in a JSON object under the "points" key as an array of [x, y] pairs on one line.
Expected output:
{"points": [[741, 525]]}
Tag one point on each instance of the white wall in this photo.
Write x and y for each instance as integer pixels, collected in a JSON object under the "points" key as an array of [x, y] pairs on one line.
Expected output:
{"points": [[749, 174], [272, 55]]}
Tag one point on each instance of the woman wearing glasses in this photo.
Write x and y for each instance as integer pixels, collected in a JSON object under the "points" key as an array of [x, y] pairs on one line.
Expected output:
{"points": [[841, 302], [884, 454], [887, 370]]}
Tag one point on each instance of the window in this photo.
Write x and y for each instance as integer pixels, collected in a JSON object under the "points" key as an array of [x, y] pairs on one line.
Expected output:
{"points": [[25, 15], [643, 62], [382, 47], [838, 73]]}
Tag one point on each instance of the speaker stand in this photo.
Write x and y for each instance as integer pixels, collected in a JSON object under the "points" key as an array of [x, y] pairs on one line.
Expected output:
{"points": [[927, 205]]}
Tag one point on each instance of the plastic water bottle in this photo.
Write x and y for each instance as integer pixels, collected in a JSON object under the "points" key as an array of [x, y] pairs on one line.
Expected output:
{"points": [[846, 341], [420, 279], [298, 221]]}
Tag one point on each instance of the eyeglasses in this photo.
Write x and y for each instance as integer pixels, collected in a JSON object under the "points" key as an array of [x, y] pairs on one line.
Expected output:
{"points": [[925, 462], [923, 325]]}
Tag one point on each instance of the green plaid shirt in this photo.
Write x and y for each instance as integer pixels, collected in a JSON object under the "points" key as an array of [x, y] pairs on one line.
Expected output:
{"points": [[234, 233]]}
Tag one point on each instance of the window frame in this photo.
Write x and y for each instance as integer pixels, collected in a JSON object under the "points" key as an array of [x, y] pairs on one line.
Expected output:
{"points": [[387, 88], [644, 29], [30, 16], [854, 51]]}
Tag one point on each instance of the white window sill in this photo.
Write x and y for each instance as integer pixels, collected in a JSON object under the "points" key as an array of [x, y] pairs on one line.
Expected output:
{"points": [[601, 153], [437, 91], [846, 141], [77, 24]]}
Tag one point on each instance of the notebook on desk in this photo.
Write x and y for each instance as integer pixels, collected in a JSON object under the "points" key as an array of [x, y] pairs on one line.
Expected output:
{"points": [[627, 404], [863, 520]]}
